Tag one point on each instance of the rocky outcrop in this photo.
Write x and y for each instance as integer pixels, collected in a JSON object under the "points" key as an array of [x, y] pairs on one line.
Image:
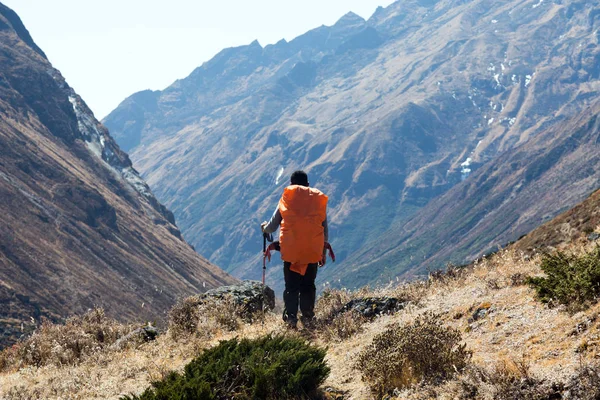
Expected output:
{"points": [[251, 296], [371, 307]]}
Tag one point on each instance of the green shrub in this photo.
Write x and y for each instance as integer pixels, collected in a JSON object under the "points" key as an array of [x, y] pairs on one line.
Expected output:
{"points": [[422, 351], [571, 279], [271, 367]]}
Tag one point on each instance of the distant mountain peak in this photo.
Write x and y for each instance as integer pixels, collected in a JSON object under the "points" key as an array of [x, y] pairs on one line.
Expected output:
{"points": [[350, 18], [15, 23]]}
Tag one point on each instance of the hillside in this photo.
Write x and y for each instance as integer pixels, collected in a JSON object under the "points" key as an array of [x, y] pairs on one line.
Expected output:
{"points": [[505, 199], [575, 225], [521, 348], [385, 114], [79, 227]]}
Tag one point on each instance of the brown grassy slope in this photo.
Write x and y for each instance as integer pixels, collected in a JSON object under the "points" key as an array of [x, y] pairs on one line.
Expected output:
{"points": [[517, 329], [571, 226], [74, 233]]}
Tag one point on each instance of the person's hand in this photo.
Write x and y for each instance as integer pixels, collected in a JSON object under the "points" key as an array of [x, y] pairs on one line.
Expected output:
{"points": [[263, 225], [324, 258]]}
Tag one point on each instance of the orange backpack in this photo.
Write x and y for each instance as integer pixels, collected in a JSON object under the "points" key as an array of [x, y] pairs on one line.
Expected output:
{"points": [[302, 237]]}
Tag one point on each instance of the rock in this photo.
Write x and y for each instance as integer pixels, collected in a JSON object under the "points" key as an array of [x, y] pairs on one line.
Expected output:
{"points": [[140, 335], [371, 307], [251, 295], [331, 393], [481, 312], [592, 237]]}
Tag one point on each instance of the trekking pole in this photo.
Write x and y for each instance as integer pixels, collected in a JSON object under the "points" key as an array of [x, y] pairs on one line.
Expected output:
{"points": [[266, 237], [266, 253], [264, 257]]}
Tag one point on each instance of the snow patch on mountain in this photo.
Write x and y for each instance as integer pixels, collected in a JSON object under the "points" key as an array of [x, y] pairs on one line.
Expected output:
{"points": [[528, 79], [96, 142], [93, 138], [279, 175], [465, 171], [132, 176]]}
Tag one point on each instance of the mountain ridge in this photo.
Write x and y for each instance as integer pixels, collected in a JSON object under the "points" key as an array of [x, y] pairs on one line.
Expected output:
{"points": [[80, 228], [421, 96]]}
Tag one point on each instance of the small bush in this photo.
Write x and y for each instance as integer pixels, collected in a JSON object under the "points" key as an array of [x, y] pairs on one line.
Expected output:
{"points": [[343, 326], [271, 367], [424, 350], [66, 344], [333, 324], [10, 357], [329, 304], [451, 273], [571, 279], [184, 317], [412, 292], [585, 385], [195, 315], [511, 380]]}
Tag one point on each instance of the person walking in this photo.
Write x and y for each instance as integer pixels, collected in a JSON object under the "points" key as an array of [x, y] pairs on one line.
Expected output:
{"points": [[302, 215]]}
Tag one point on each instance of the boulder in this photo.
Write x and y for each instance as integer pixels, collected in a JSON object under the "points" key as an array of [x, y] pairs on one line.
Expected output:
{"points": [[370, 307], [140, 335], [481, 312], [253, 296], [592, 237]]}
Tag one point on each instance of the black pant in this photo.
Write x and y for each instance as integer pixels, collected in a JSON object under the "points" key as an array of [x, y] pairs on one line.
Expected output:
{"points": [[298, 287]]}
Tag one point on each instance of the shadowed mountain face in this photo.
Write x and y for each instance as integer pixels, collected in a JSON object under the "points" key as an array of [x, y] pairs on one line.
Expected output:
{"points": [[79, 227], [385, 115]]}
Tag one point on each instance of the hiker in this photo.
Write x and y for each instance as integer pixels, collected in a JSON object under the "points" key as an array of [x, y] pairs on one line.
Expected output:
{"points": [[302, 214]]}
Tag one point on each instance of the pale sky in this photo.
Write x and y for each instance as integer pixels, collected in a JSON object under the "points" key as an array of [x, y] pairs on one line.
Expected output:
{"points": [[110, 49]]}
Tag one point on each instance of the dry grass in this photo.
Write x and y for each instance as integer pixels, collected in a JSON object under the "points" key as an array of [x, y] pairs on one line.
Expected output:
{"points": [[65, 344], [333, 325], [423, 350], [107, 375], [204, 317], [514, 331]]}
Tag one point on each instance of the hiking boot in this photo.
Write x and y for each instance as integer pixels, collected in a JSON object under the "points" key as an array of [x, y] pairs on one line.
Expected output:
{"points": [[291, 325], [309, 323]]}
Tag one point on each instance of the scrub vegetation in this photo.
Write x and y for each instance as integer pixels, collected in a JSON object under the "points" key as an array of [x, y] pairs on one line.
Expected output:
{"points": [[570, 279], [473, 332], [271, 367]]}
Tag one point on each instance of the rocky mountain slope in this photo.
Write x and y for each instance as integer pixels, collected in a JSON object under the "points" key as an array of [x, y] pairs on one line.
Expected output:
{"points": [[505, 199], [79, 227], [573, 226], [385, 115]]}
